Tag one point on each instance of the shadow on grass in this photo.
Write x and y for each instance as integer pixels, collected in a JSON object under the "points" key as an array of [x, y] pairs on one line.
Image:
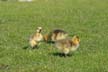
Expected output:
{"points": [[50, 42], [28, 47], [25, 47], [61, 54]]}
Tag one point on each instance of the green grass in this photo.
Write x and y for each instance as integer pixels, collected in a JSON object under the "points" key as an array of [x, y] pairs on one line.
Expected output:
{"points": [[86, 18]]}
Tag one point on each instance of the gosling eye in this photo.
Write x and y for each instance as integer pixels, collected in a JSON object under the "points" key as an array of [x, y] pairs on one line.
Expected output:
{"points": [[79, 40]]}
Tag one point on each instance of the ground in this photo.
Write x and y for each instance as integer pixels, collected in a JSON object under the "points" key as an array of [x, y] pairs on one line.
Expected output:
{"points": [[86, 18]]}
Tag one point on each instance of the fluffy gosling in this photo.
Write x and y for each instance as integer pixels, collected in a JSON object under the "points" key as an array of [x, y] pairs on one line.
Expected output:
{"points": [[55, 35], [36, 38], [67, 45]]}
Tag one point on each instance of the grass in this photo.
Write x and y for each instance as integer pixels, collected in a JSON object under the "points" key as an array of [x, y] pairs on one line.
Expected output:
{"points": [[85, 18]]}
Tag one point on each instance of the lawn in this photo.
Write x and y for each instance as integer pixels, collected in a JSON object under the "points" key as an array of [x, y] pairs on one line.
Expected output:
{"points": [[86, 18]]}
